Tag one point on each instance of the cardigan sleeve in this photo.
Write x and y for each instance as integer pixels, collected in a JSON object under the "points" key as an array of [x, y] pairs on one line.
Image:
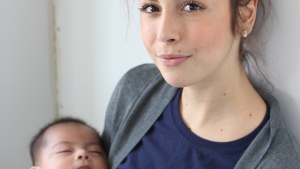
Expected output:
{"points": [[125, 95], [282, 153], [137, 101]]}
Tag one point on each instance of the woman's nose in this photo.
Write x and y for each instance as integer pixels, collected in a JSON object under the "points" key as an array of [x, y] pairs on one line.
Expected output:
{"points": [[82, 155], [169, 29]]}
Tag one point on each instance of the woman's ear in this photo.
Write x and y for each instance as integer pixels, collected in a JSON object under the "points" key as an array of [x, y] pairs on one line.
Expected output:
{"points": [[248, 16]]}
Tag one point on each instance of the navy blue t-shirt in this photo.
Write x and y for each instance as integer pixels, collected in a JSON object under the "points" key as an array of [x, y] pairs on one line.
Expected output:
{"points": [[169, 144]]}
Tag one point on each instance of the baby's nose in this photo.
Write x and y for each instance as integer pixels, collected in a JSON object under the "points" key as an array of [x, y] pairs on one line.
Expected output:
{"points": [[82, 155]]}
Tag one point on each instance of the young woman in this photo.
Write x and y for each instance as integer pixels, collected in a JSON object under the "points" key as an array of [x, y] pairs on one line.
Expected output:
{"points": [[196, 107]]}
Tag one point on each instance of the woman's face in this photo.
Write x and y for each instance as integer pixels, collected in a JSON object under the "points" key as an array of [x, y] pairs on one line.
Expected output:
{"points": [[190, 41]]}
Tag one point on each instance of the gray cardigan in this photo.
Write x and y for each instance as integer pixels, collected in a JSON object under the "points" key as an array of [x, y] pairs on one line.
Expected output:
{"points": [[141, 96]]}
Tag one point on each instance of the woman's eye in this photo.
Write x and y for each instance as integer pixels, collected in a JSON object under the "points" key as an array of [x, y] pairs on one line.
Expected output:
{"points": [[149, 8], [192, 6]]}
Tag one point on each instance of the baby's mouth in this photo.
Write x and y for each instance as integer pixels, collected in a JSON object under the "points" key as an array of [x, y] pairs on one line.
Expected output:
{"points": [[84, 167]]}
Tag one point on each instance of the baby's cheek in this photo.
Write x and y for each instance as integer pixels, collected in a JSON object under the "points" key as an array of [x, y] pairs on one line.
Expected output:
{"points": [[58, 162], [101, 163]]}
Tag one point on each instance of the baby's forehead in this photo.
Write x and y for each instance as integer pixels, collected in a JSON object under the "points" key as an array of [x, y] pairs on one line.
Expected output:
{"points": [[66, 126], [68, 131], [68, 123]]}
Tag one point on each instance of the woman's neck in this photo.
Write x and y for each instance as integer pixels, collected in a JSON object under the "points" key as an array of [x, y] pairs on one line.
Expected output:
{"points": [[224, 111]]}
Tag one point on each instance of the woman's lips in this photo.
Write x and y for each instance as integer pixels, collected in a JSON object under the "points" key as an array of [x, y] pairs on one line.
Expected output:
{"points": [[172, 60]]}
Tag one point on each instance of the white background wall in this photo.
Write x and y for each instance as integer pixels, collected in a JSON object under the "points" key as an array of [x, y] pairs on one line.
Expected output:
{"points": [[283, 61], [96, 48], [94, 51], [26, 77]]}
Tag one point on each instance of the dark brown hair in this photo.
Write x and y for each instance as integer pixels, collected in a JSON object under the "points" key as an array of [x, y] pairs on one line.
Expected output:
{"points": [[251, 47]]}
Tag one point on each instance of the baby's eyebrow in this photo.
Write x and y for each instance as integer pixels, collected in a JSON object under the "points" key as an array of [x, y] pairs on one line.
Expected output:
{"points": [[62, 142], [153, 0], [92, 144], [70, 143]]}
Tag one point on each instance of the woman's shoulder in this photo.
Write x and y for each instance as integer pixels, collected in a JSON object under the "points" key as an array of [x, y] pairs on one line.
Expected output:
{"points": [[125, 96], [274, 147], [282, 153], [283, 150], [146, 67], [137, 79], [131, 87], [134, 82], [140, 95], [142, 74]]}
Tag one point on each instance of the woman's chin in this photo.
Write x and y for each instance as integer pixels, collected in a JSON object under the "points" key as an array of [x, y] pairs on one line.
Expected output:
{"points": [[175, 76], [175, 81]]}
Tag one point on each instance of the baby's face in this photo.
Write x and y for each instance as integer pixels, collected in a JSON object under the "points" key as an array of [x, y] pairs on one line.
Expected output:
{"points": [[71, 146]]}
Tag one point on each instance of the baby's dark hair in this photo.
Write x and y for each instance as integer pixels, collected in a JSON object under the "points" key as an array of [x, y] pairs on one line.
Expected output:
{"points": [[37, 141]]}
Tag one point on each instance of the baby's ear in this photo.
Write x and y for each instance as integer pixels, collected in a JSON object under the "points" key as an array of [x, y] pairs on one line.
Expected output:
{"points": [[35, 167]]}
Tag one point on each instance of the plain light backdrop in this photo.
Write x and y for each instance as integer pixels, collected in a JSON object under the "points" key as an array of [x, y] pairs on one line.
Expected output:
{"points": [[27, 88]]}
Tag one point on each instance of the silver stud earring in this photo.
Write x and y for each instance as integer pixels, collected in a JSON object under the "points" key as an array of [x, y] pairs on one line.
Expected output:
{"points": [[245, 34]]}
